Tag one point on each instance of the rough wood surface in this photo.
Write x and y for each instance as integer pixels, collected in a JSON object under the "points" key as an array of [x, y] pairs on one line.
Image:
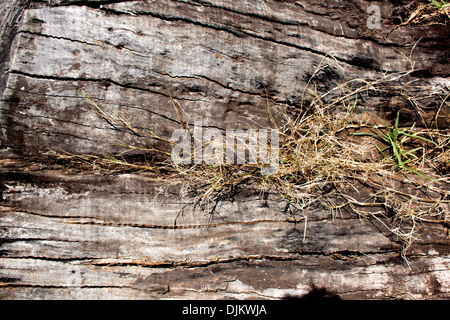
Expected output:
{"points": [[86, 236], [130, 236], [220, 60]]}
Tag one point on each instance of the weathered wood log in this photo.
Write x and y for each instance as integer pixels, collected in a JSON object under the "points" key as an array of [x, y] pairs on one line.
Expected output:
{"points": [[66, 234], [136, 238], [220, 60], [11, 12]]}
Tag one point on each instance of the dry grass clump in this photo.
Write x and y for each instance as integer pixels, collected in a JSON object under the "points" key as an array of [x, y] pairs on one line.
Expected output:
{"points": [[428, 13], [329, 155]]}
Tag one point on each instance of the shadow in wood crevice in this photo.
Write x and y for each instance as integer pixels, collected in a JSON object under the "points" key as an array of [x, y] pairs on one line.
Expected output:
{"points": [[314, 294]]}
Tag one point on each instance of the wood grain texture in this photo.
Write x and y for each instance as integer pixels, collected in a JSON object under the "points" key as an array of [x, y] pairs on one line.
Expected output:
{"points": [[84, 235], [130, 237], [220, 60]]}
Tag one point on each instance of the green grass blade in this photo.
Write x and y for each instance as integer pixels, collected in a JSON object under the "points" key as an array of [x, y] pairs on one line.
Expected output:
{"points": [[396, 152], [365, 134]]}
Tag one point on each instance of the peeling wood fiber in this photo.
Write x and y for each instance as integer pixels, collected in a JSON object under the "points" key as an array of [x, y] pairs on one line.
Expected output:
{"points": [[66, 235]]}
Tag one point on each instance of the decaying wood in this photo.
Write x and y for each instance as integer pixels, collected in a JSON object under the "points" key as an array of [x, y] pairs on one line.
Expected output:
{"points": [[89, 236]]}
